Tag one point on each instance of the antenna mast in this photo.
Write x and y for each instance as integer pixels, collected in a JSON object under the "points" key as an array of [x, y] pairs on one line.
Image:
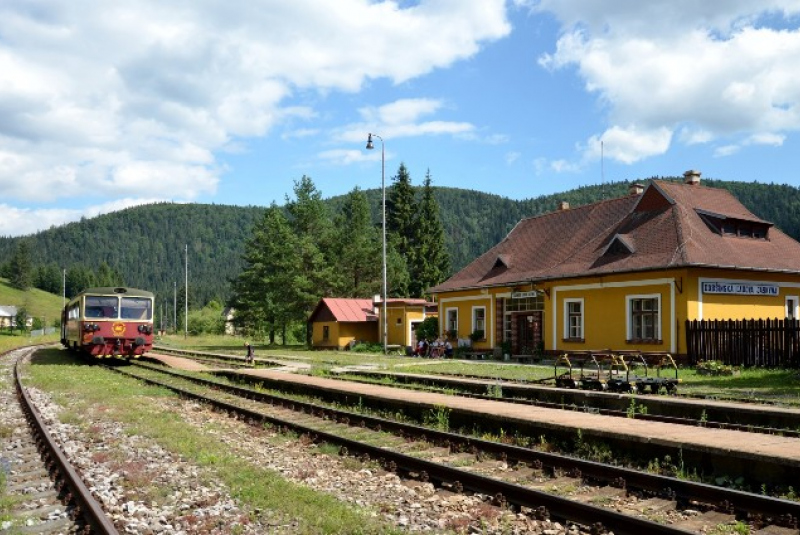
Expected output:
{"points": [[602, 172]]}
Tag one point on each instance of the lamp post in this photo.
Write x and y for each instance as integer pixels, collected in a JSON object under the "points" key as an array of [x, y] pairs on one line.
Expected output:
{"points": [[383, 193]]}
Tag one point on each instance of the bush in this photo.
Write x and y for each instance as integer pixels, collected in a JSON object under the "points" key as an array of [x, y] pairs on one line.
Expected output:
{"points": [[367, 347], [715, 367]]}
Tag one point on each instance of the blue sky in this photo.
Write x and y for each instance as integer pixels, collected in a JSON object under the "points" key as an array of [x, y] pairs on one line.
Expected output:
{"points": [[104, 106]]}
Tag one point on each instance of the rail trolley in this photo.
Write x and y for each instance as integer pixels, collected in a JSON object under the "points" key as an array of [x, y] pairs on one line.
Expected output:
{"points": [[109, 322], [616, 371]]}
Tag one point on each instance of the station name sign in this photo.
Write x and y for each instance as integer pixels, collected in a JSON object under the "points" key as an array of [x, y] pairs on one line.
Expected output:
{"points": [[739, 288], [523, 295]]}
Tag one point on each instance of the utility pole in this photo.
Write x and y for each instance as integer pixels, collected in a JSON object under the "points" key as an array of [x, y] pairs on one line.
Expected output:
{"points": [[175, 306], [186, 295]]}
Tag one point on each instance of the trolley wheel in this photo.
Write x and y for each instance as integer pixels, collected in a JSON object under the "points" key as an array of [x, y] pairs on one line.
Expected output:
{"points": [[672, 389]]}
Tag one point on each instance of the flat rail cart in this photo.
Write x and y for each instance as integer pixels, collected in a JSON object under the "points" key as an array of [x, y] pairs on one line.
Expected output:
{"points": [[616, 371]]}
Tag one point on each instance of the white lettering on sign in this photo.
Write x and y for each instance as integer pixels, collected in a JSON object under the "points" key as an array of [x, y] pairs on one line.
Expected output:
{"points": [[523, 295], [739, 288]]}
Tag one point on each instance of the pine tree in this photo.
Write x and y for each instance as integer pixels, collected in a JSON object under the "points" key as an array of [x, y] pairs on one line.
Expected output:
{"points": [[357, 249], [311, 222], [400, 210], [106, 276], [21, 268], [430, 261], [263, 291]]}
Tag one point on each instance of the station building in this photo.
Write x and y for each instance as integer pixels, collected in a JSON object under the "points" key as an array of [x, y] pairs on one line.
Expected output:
{"points": [[336, 323], [623, 274]]}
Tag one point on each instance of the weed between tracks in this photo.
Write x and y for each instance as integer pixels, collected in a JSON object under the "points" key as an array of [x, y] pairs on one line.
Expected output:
{"points": [[83, 388]]}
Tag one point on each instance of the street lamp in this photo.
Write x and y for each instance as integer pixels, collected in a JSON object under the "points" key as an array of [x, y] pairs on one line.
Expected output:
{"points": [[383, 190]]}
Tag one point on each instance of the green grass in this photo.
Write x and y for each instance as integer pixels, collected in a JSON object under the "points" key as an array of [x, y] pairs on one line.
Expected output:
{"points": [[37, 302], [83, 388]]}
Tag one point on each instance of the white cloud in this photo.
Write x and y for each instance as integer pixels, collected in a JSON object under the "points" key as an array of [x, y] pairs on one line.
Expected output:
{"points": [[709, 70], [402, 118], [121, 99]]}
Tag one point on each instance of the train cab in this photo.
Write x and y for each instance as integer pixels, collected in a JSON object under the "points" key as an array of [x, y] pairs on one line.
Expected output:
{"points": [[109, 322]]}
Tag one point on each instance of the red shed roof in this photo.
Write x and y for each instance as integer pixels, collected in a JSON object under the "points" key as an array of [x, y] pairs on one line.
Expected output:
{"points": [[344, 310], [669, 225]]}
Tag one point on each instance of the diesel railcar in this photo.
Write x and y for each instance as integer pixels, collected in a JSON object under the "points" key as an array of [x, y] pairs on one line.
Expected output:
{"points": [[109, 322]]}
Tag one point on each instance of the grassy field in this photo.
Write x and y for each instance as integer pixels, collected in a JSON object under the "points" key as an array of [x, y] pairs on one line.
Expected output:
{"points": [[752, 385], [39, 304]]}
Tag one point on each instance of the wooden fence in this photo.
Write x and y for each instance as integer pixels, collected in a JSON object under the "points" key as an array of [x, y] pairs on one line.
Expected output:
{"points": [[773, 343]]}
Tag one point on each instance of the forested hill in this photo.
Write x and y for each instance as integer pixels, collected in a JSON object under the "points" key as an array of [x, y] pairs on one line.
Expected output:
{"points": [[146, 243]]}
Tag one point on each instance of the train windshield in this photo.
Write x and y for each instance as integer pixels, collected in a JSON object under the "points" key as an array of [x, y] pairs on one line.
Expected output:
{"points": [[137, 308], [100, 307]]}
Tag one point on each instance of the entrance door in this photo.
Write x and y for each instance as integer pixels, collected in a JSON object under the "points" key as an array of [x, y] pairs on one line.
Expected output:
{"points": [[529, 333]]}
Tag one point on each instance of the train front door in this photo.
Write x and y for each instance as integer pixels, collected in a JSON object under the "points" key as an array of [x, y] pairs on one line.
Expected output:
{"points": [[529, 333]]}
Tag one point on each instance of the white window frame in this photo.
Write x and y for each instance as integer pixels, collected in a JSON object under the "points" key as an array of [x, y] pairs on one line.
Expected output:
{"points": [[447, 320], [629, 315], [475, 320], [567, 326], [796, 300]]}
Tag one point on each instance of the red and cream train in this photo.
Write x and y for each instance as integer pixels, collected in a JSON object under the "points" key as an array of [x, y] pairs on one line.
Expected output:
{"points": [[109, 322]]}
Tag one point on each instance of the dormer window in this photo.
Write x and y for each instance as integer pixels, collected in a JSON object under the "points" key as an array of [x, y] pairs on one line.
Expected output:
{"points": [[733, 226], [619, 246]]}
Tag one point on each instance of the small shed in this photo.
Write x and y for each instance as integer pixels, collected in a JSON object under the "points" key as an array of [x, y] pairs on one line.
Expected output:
{"points": [[336, 322], [8, 315]]}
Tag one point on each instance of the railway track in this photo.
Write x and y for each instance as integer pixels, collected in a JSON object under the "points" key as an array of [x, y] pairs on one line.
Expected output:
{"points": [[637, 408], [531, 481], [641, 407], [47, 494]]}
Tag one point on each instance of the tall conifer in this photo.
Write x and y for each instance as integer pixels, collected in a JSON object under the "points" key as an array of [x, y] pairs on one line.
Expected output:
{"points": [[430, 261]]}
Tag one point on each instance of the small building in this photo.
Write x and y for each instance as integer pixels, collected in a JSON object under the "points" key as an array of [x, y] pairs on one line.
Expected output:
{"points": [[404, 314], [8, 316], [624, 274], [337, 322], [227, 318]]}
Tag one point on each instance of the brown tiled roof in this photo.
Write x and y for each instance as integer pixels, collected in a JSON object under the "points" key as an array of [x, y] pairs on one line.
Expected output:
{"points": [[344, 310], [661, 228]]}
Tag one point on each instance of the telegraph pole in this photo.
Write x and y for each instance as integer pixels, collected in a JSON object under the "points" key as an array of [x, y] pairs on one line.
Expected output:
{"points": [[186, 295]]}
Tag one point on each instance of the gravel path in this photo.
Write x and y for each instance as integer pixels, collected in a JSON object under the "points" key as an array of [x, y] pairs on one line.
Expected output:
{"points": [[147, 490]]}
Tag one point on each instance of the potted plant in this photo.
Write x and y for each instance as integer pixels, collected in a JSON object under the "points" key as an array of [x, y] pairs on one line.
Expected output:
{"points": [[477, 336]]}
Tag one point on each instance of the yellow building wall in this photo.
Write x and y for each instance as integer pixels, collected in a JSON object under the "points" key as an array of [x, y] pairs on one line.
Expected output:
{"points": [[341, 334], [365, 332], [317, 330], [605, 317], [399, 323], [464, 303], [720, 306], [605, 299]]}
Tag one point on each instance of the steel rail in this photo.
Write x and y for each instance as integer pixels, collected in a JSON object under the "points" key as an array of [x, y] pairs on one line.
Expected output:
{"points": [[427, 383], [784, 511], [504, 492], [86, 505]]}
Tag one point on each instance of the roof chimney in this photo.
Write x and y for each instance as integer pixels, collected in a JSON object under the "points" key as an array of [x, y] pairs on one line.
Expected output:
{"points": [[691, 177], [563, 205], [635, 189]]}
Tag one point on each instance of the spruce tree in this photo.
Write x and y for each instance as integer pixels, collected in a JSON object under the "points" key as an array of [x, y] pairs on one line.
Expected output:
{"points": [[21, 268], [313, 273], [357, 249], [430, 261], [262, 293], [400, 214]]}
